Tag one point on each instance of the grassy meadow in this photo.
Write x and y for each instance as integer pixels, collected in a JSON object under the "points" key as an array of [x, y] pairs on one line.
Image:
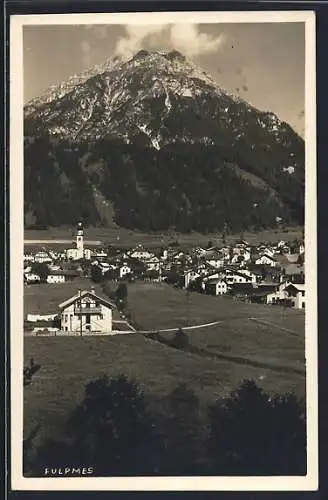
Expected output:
{"points": [[272, 354], [123, 237], [44, 298]]}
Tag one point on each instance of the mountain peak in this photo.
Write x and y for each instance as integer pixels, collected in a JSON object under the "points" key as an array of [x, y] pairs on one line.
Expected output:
{"points": [[167, 53], [175, 55], [136, 126]]}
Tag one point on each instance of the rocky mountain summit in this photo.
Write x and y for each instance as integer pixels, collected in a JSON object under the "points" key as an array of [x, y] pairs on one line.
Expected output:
{"points": [[165, 145]]}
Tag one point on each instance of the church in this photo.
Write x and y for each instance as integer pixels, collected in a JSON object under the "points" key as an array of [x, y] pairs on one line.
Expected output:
{"points": [[79, 252]]}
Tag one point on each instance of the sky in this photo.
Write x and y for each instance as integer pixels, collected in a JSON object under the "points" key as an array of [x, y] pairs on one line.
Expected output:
{"points": [[264, 63]]}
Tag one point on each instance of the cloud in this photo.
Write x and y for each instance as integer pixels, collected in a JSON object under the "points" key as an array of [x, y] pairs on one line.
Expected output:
{"points": [[100, 31], [190, 41], [187, 38], [86, 53]]}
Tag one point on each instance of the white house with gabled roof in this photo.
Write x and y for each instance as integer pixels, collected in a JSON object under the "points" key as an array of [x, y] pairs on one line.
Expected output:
{"points": [[86, 313], [266, 260], [296, 295]]}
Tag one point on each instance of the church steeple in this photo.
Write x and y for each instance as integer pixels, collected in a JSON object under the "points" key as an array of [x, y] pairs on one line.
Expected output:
{"points": [[79, 237]]}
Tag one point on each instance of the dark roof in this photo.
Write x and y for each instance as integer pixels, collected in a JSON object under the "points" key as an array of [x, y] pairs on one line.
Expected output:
{"points": [[256, 268], [84, 293], [244, 288], [214, 281], [263, 290]]}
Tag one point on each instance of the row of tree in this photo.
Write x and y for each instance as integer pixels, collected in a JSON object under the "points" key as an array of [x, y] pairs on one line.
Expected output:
{"points": [[117, 431]]}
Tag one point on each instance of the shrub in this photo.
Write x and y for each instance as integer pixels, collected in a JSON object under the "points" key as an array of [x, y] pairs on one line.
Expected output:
{"points": [[180, 340], [251, 433], [112, 429]]}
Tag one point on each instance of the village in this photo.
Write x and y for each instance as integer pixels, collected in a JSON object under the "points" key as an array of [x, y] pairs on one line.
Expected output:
{"points": [[271, 274]]}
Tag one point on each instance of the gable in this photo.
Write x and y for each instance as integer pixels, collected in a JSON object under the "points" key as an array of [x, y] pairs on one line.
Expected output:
{"points": [[84, 294]]}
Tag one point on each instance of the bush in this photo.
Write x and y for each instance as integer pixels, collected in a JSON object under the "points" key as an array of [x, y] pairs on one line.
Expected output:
{"points": [[121, 296], [180, 340], [184, 430], [112, 429], [96, 274], [250, 433]]}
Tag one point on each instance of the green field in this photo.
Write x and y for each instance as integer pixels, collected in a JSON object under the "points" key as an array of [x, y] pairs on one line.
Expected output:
{"points": [[276, 336], [67, 364], [127, 238], [45, 298]]}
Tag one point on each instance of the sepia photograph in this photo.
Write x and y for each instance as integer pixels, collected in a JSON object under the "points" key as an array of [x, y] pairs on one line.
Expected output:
{"points": [[163, 251]]}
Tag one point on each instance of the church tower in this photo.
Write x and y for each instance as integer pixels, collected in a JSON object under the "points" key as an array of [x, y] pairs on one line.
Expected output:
{"points": [[79, 238]]}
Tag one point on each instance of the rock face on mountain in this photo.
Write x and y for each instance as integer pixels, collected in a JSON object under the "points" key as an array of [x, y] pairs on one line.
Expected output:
{"points": [[157, 140]]}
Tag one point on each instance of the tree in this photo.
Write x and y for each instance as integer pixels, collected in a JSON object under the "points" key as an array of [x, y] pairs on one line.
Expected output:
{"points": [[252, 433], [29, 371], [96, 274], [121, 295], [112, 430], [183, 430], [180, 340], [41, 269], [28, 443]]}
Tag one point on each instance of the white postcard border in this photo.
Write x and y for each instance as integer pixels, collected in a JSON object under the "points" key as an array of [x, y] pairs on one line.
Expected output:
{"points": [[276, 483]]}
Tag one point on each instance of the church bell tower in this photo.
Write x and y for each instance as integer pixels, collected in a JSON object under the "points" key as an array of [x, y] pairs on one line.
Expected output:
{"points": [[79, 238]]}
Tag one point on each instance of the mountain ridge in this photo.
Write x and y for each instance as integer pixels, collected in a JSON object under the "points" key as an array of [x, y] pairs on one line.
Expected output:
{"points": [[162, 109]]}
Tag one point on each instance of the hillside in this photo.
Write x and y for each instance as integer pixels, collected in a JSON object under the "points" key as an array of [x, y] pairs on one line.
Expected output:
{"points": [[156, 141]]}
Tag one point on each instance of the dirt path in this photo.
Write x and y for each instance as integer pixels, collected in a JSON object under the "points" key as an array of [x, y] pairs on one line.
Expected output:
{"points": [[194, 327], [268, 323]]}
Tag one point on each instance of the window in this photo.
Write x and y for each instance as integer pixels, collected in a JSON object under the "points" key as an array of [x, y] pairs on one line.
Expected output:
{"points": [[100, 316], [303, 305]]}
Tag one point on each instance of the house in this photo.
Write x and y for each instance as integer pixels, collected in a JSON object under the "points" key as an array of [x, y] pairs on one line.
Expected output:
{"points": [[56, 277], [28, 257], [153, 264], [232, 277], [141, 254], [258, 270], [264, 294], [294, 273], [267, 260], [216, 287], [248, 273], [216, 262], [124, 270], [100, 255], [164, 254], [242, 290], [31, 278], [70, 274], [296, 295], [282, 259], [293, 258], [241, 257], [189, 276], [42, 257], [86, 313]]}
